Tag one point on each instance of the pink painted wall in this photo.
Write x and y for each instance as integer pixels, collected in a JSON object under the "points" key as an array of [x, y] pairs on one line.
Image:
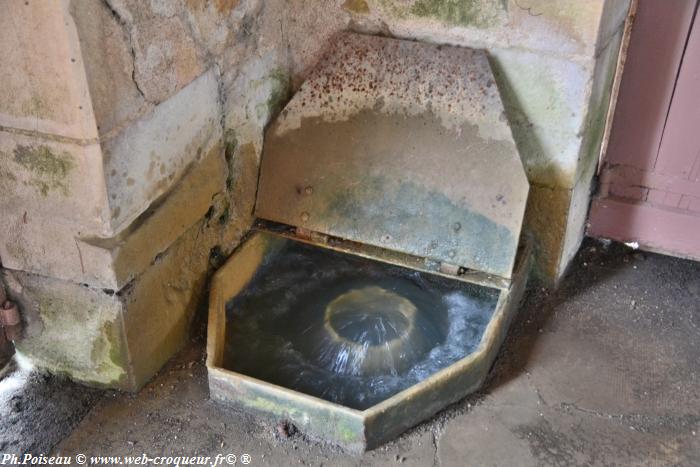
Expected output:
{"points": [[650, 179], [656, 47]]}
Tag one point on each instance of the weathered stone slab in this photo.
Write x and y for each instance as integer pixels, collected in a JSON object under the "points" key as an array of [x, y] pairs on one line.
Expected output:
{"points": [[562, 27], [399, 145], [116, 339], [143, 161], [44, 177], [106, 55], [71, 252], [134, 250], [166, 57], [71, 329], [43, 82]]}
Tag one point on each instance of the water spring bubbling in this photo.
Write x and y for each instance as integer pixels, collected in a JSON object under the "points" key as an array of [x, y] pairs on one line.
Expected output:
{"points": [[350, 330]]}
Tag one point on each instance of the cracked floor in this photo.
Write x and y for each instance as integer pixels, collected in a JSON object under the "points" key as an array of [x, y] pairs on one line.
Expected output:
{"points": [[604, 371]]}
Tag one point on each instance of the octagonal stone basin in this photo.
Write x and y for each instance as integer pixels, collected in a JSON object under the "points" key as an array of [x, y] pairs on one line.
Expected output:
{"points": [[351, 344]]}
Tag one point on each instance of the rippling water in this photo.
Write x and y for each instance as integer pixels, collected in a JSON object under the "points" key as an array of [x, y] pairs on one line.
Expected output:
{"points": [[350, 330]]}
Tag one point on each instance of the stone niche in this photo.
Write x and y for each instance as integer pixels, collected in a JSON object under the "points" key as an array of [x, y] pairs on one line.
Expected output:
{"points": [[130, 135]]}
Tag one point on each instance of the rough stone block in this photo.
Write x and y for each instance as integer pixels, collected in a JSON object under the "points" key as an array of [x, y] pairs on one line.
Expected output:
{"points": [[95, 199], [118, 339], [161, 303], [541, 90], [145, 159], [72, 253], [611, 21], [105, 46], [550, 156], [598, 103], [166, 57], [71, 329], [43, 177], [259, 90], [549, 103], [43, 83], [546, 220], [587, 161], [134, 250], [51, 247], [556, 218], [562, 27], [576, 217], [213, 22]]}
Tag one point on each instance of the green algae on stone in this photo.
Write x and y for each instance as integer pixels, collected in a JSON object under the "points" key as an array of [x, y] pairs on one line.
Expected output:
{"points": [[479, 238], [97, 358], [279, 84], [475, 13], [110, 356], [356, 6], [35, 107], [49, 170]]}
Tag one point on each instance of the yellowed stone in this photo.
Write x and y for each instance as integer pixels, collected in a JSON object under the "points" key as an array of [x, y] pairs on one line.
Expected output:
{"points": [[109, 66], [43, 82], [61, 248], [166, 57], [118, 339]]}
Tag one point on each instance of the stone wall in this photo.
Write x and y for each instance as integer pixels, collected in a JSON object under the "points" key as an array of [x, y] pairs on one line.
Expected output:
{"points": [[554, 62], [131, 131]]}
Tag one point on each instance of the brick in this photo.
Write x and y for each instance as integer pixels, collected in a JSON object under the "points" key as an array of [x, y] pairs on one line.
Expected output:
{"points": [[672, 199], [684, 203], [663, 198], [637, 193], [693, 204]]}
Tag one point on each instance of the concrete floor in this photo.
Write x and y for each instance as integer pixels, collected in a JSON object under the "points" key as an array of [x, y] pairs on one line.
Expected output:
{"points": [[604, 371]]}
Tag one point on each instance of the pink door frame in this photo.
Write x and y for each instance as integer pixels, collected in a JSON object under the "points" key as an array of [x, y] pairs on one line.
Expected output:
{"points": [[650, 178]]}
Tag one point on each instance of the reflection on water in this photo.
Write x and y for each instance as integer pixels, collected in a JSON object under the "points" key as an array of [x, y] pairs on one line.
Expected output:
{"points": [[350, 330]]}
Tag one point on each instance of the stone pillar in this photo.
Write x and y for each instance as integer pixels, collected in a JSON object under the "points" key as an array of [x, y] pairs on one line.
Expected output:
{"points": [[116, 190]]}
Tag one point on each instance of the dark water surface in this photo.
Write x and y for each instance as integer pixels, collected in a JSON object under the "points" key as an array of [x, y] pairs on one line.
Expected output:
{"points": [[350, 330]]}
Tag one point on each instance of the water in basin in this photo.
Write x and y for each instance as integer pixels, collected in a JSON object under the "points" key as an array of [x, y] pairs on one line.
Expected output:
{"points": [[350, 330]]}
